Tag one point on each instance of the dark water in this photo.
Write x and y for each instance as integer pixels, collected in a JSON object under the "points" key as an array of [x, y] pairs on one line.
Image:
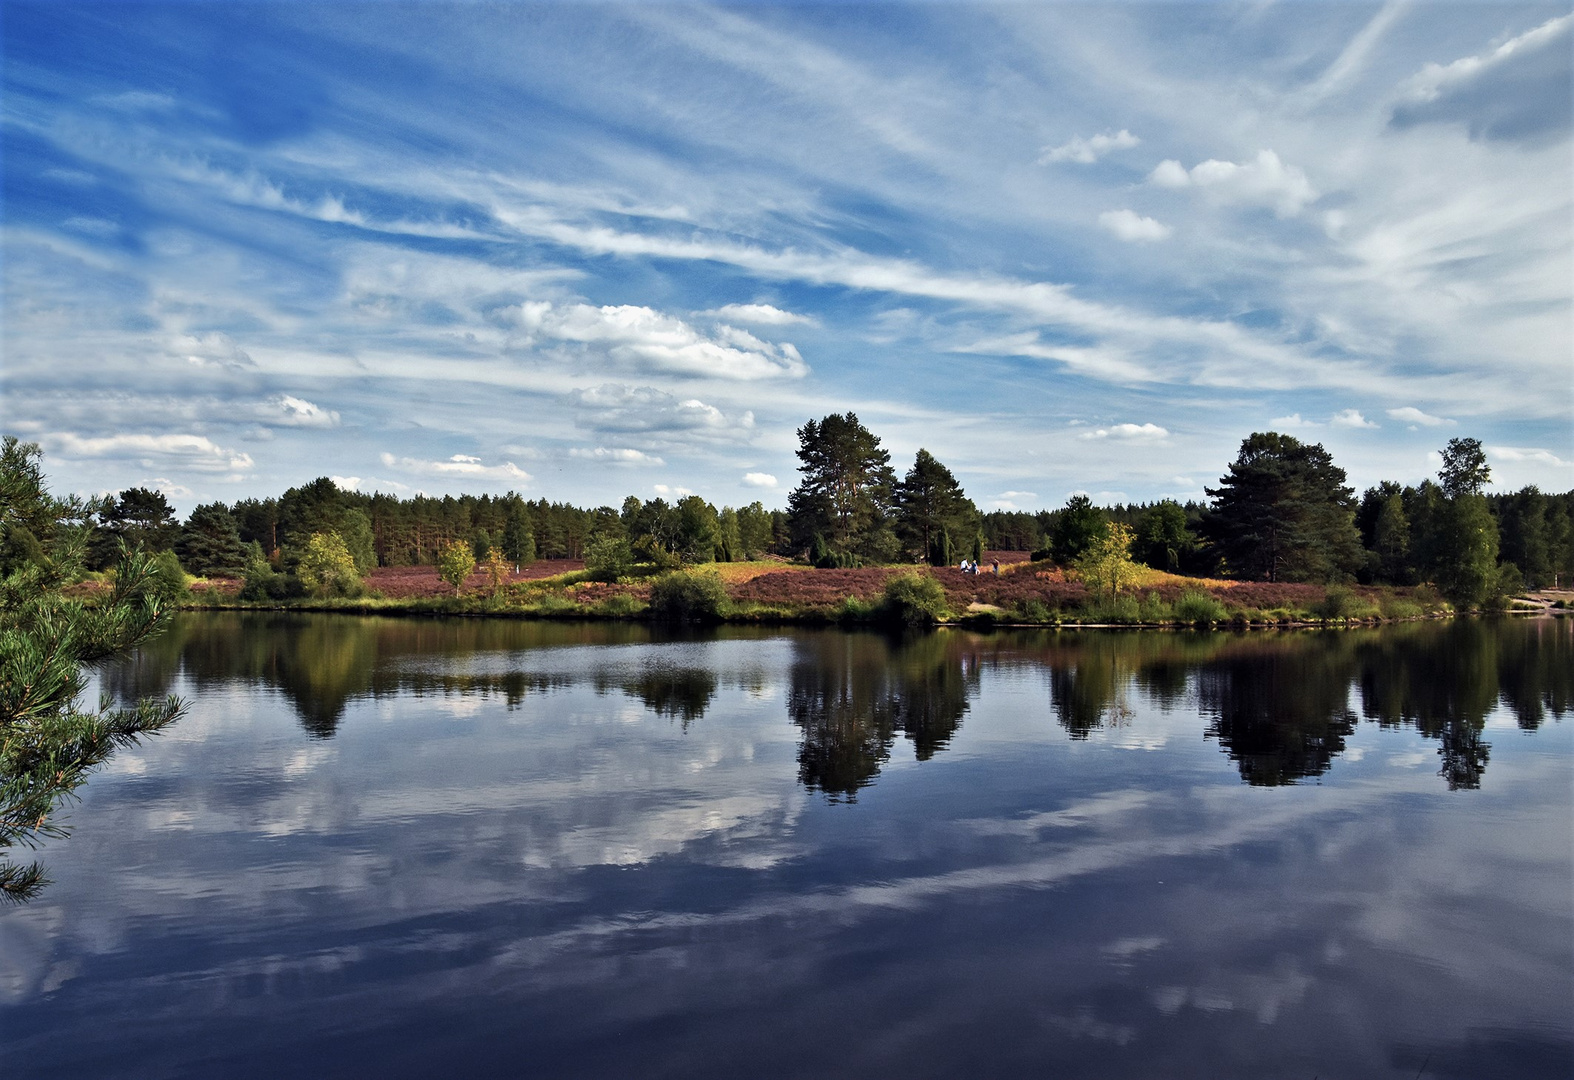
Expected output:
{"points": [[466, 848]]}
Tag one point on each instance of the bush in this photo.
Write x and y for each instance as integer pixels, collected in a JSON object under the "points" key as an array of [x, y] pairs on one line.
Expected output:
{"points": [[619, 606], [264, 583], [1199, 608], [609, 558], [1115, 609], [327, 568], [914, 599], [1339, 602], [168, 580], [1155, 610], [1034, 611], [688, 596]]}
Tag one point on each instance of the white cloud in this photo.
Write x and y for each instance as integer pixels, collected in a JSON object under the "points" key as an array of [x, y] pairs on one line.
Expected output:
{"points": [[346, 483], [1409, 414], [1141, 432], [759, 480], [620, 407], [297, 412], [1266, 181], [648, 338], [1350, 418], [194, 452], [458, 465], [168, 487], [1292, 421], [761, 314], [1528, 453], [1129, 225], [622, 455], [669, 492], [1087, 151], [1012, 500], [1435, 80]]}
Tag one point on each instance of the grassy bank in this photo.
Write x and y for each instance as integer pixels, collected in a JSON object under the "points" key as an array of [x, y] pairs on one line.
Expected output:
{"points": [[1024, 593]]}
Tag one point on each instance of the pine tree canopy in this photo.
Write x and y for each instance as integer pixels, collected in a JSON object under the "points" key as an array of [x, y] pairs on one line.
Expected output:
{"points": [[1284, 513]]}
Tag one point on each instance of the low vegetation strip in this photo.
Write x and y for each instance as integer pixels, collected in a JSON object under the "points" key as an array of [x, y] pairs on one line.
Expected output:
{"points": [[1023, 593]]}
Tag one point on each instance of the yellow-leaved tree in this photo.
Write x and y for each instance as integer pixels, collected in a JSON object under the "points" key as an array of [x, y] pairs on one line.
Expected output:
{"points": [[1106, 566]]}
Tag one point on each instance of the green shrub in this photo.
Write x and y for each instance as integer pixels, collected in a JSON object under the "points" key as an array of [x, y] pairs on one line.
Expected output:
{"points": [[262, 582], [914, 599], [327, 568], [1397, 607], [854, 610], [1034, 610], [1199, 608], [1155, 610], [619, 606], [688, 596], [1339, 602], [168, 580], [455, 563], [609, 558], [1114, 609]]}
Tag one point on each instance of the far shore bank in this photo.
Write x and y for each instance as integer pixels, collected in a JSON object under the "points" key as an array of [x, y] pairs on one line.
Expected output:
{"points": [[1022, 594]]}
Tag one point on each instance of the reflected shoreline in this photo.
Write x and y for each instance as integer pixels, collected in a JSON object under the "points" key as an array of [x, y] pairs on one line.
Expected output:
{"points": [[1281, 707]]}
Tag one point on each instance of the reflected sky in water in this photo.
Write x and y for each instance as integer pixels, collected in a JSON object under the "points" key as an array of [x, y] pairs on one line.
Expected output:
{"points": [[402, 847]]}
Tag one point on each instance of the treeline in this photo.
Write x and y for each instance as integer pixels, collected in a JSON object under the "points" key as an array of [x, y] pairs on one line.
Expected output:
{"points": [[1281, 512]]}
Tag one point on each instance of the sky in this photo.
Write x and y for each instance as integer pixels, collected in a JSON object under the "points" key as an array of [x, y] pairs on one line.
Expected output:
{"points": [[585, 251]]}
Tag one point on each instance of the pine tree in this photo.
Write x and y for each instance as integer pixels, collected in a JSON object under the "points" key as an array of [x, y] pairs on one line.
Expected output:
{"points": [[1283, 513], [846, 491], [48, 744], [210, 543], [930, 504]]}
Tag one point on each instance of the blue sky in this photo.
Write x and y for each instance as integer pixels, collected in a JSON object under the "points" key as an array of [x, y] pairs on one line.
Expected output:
{"points": [[585, 251]]}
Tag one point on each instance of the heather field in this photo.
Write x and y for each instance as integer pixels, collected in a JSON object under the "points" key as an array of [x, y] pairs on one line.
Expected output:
{"points": [[775, 590]]}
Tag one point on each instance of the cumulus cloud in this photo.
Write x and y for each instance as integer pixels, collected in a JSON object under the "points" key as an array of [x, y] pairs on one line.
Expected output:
{"points": [[1292, 421], [1413, 416], [297, 412], [621, 455], [1087, 151], [619, 407], [1350, 418], [195, 452], [759, 480], [1141, 432], [1265, 181], [761, 314], [1520, 88], [669, 492], [458, 465], [346, 483], [1129, 225], [647, 338]]}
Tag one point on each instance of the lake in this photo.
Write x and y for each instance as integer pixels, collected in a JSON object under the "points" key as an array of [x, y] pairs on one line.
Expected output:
{"points": [[402, 847]]}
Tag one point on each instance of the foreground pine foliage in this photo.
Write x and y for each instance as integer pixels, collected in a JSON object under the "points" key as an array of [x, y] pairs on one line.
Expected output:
{"points": [[48, 639]]}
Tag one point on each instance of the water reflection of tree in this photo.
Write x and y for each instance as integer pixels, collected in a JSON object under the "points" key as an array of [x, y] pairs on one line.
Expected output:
{"points": [[323, 662], [1443, 681], [1281, 713], [677, 693], [851, 694]]}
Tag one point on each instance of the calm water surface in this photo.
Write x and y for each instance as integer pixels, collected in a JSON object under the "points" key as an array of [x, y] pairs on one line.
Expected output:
{"points": [[471, 848]]}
